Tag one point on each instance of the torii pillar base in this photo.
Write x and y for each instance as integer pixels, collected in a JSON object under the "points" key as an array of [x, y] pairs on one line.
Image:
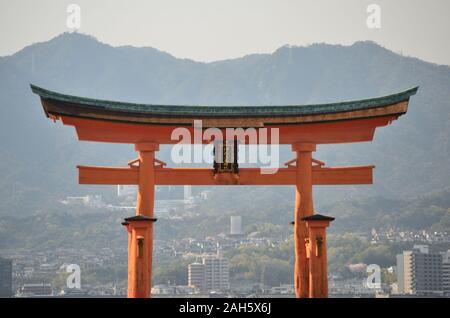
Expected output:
{"points": [[317, 254], [140, 250]]}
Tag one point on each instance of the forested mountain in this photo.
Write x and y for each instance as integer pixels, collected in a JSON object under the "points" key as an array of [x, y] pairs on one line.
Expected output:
{"points": [[38, 158]]}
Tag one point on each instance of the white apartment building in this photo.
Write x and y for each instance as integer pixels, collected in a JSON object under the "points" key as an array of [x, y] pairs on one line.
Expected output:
{"points": [[211, 274]]}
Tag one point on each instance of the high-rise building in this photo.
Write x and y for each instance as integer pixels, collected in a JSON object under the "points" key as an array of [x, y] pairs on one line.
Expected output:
{"points": [[419, 272], [39, 289], [187, 193], [216, 273], [446, 272], [5, 277], [212, 274], [196, 275], [236, 225]]}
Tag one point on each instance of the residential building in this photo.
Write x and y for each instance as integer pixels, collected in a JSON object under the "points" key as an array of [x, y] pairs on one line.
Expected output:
{"points": [[42, 289], [212, 274], [196, 275], [216, 273], [446, 272], [5, 277], [419, 272]]}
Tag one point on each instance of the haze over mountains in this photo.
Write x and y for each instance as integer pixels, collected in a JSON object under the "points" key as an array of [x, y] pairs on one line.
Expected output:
{"points": [[37, 159]]}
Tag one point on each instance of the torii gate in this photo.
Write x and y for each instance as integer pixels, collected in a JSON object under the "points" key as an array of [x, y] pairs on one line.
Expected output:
{"points": [[301, 126]]}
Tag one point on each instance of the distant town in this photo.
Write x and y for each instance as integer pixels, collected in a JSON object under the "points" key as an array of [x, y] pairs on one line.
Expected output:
{"points": [[419, 272]]}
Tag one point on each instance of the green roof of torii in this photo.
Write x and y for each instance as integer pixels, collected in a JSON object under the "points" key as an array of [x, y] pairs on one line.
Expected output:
{"points": [[226, 111]]}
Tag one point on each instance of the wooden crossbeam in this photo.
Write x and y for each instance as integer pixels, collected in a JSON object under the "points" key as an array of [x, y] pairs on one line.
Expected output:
{"points": [[246, 176], [108, 175]]}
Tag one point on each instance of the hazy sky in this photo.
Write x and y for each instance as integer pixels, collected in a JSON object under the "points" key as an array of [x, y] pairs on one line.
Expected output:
{"points": [[206, 30]]}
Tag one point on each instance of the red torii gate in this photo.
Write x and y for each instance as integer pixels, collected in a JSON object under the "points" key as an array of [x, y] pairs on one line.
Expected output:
{"points": [[301, 126]]}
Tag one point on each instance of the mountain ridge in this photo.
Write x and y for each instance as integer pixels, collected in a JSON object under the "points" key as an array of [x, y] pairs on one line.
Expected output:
{"points": [[410, 155]]}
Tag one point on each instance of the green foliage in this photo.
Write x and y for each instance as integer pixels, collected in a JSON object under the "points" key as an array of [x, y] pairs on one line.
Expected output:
{"points": [[342, 250], [173, 271], [104, 274], [260, 265], [381, 255], [430, 211], [388, 278], [59, 281]]}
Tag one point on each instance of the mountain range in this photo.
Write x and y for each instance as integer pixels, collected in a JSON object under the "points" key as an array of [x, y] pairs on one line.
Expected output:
{"points": [[38, 157]]}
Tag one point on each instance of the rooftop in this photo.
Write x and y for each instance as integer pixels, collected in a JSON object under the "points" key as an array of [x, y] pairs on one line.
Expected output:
{"points": [[225, 110]]}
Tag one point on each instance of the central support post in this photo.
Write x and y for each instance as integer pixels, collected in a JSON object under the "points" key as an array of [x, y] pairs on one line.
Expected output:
{"points": [[303, 208], [146, 191], [140, 227]]}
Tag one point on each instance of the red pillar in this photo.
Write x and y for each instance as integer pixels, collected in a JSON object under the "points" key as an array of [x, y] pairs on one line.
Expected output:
{"points": [[140, 227], [317, 245], [303, 208], [146, 191], [140, 233]]}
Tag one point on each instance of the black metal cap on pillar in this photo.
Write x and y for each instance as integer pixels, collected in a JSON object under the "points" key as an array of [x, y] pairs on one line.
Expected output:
{"points": [[315, 217], [139, 218], [318, 217]]}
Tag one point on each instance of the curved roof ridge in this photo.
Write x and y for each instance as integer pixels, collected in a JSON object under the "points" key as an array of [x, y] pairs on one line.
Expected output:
{"points": [[162, 109]]}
